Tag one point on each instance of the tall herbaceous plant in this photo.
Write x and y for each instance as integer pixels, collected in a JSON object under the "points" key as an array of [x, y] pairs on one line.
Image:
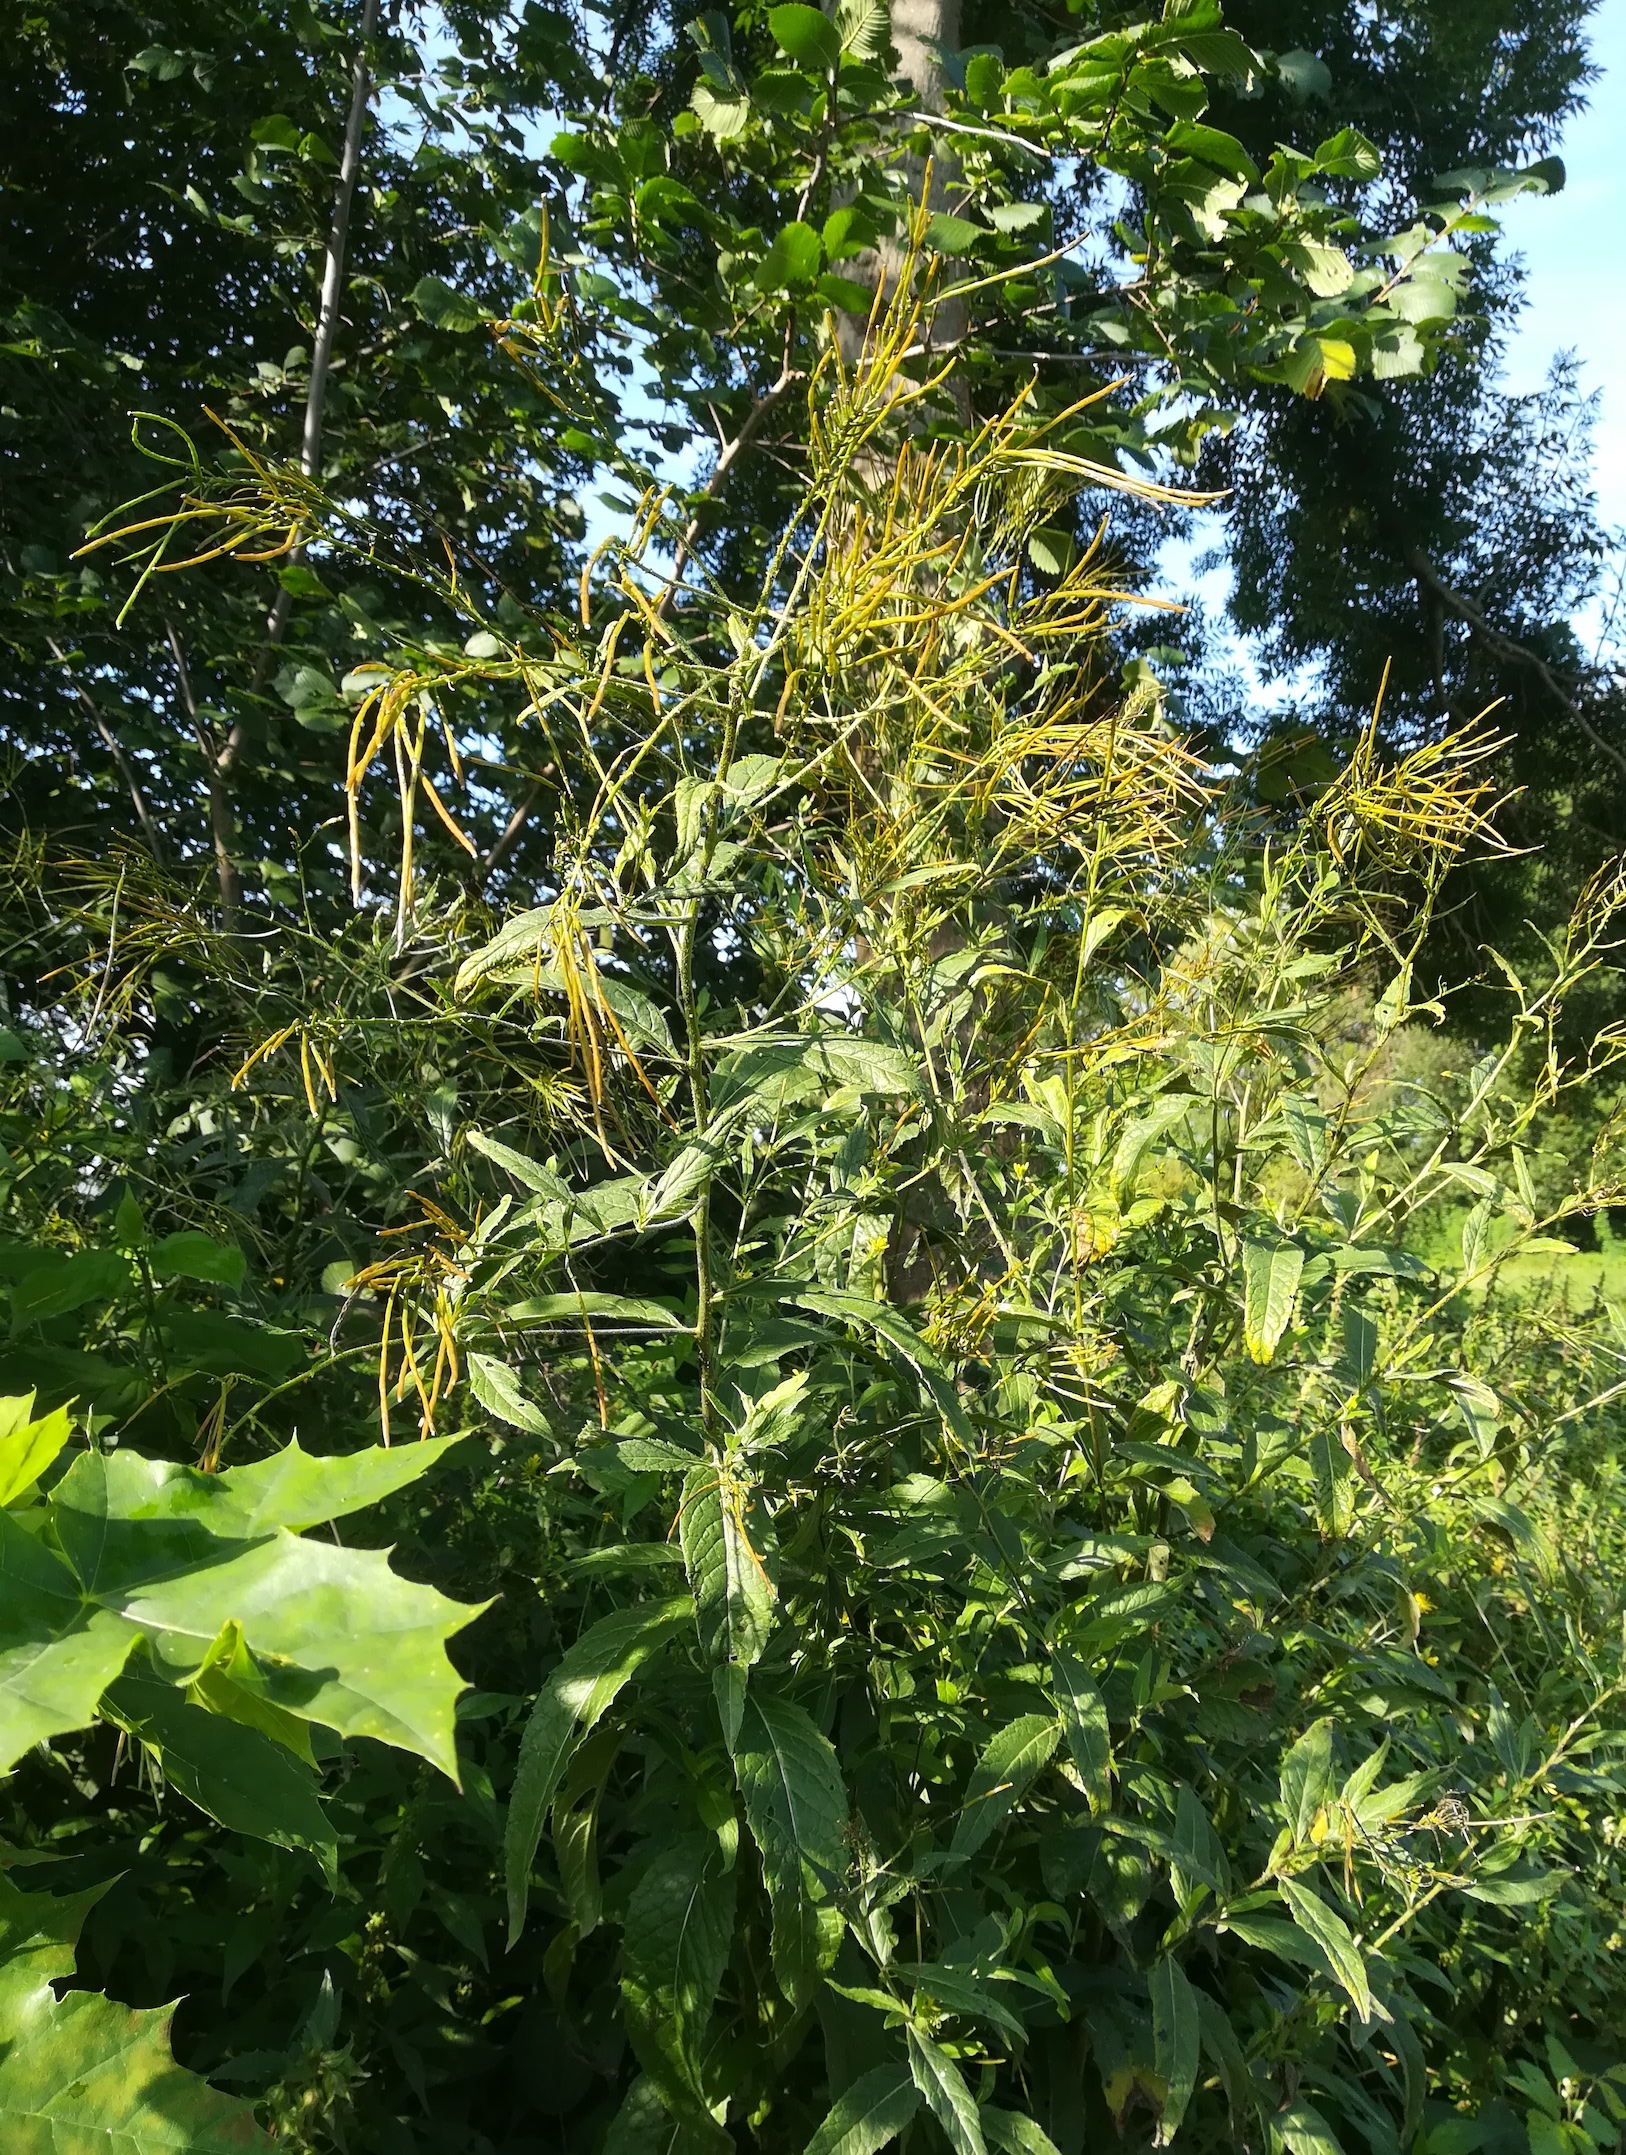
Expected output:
{"points": [[1066, 1629]]}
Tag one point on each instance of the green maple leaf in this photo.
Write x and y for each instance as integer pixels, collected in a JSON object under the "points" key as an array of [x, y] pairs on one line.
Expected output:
{"points": [[81, 2073]]}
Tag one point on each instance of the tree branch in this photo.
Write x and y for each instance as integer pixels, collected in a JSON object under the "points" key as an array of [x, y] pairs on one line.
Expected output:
{"points": [[327, 323], [327, 312], [761, 410], [1511, 652], [121, 762], [222, 823], [327, 320], [515, 824]]}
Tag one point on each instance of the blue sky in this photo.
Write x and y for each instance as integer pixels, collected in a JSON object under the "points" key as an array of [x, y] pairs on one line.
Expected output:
{"points": [[1574, 246], [1574, 249]]}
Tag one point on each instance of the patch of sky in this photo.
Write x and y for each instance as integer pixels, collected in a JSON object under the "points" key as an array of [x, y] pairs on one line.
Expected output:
{"points": [[1575, 301], [1576, 296]]}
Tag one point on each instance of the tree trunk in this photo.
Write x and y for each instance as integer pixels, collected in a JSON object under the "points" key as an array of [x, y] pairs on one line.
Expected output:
{"points": [[922, 30], [224, 762]]}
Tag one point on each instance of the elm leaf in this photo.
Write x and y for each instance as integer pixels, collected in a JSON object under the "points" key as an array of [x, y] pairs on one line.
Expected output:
{"points": [[807, 34]]}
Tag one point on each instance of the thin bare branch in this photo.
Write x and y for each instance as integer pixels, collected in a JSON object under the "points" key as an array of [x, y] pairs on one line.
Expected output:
{"points": [[121, 762]]}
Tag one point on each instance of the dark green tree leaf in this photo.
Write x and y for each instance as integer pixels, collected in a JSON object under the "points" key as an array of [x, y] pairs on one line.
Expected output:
{"points": [[806, 34]]}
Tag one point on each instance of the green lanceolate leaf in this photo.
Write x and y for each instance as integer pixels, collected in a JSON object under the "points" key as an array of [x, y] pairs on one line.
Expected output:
{"points": [[1176, 2042], [1016, 2134], [1155, 1122], [581, 1689], [1307, 1778], [733, 1595], [680, 1924], [950, 2101], [1220, 2041], [531, 1173], [796, 1808], [1332, 1934], [576, 1807], [897, 1333], [193, 1256], [1304, 2131], [1084, 1724], [27, 1447], [869, 2115], [496, 1387], [611, 1309], [1270, 1285], [79, 2073], [1001, 1777], [645, 2126], [234, 1773]]}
